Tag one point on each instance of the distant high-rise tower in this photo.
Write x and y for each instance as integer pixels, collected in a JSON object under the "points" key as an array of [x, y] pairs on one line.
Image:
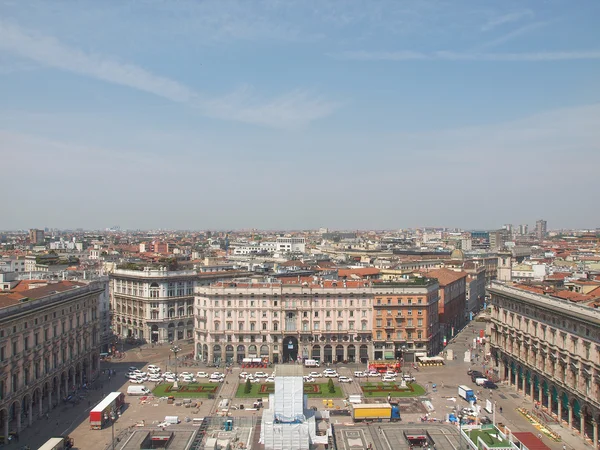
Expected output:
{"points": [[523, 229], [36, 237], [504, 266], [540, 229]]}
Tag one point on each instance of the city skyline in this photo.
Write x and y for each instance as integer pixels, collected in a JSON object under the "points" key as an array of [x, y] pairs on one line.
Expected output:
{"points": [[281, 115]]}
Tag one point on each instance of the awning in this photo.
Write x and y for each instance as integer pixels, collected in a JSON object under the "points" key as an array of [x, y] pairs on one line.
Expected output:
{"points": [[420, 354], [388, 355]]}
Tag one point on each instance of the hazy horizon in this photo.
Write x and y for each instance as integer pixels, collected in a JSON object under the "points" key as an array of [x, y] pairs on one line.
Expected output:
{"points": [[377, 114]]}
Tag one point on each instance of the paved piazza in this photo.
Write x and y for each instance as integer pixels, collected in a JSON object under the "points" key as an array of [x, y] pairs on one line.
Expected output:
{"points": [[74, 419]]}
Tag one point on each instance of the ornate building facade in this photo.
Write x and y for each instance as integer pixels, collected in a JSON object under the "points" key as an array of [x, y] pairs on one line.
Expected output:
{"points": [[549, 349], [330, 321], [49, 346]]}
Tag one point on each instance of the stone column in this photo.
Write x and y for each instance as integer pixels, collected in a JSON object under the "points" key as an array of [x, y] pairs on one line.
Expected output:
{"points": [[7, 430], [540, 393], [550, 400], [66, 385], [570, 416], [559, 409], [40, 406], [30, 412], [18, 420], [582, 423], [49, 400], [524, 384], [595, 437], [531, 390]]}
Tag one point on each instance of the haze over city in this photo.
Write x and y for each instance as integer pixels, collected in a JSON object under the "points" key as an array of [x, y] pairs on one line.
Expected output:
{"points": [[299, 114]]}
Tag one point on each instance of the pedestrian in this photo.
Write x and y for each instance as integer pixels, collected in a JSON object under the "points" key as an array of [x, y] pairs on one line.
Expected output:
{"points": [[501, 410]]}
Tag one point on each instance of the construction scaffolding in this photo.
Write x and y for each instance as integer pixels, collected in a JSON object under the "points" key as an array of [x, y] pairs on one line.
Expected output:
{"points": [[284, 424]]}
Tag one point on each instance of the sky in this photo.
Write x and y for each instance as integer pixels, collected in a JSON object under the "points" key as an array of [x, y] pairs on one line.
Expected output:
{"points": [[297, 114]]}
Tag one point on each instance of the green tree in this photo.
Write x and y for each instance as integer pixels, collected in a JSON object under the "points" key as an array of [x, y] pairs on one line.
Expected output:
{"points": [[248, 386], [330, 386]]}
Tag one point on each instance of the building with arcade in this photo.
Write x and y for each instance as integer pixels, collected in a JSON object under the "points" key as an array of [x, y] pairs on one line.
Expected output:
{"points": [[49, 346], [549, 349]]}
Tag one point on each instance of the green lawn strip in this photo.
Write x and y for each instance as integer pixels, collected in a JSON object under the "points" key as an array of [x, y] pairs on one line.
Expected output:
{"points": [[257, 390], [187, 390], [486, 437], [380, 389]]}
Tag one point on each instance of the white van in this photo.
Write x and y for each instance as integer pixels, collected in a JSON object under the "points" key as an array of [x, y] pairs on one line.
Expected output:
{"points": [[138, 390], [311, 363], [172, 420]]}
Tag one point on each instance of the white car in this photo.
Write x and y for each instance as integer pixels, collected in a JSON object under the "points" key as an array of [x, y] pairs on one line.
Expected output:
{"points": [[170, 379], [188, 379], [185, 374], [137, 380], [133, 369], [359, 374], [261, 375], [374, 374], [309, 379], [315, 375], [215, 380], [169, 374], [343, 379], [388, 378], [243, 374], [131, 375], [218, 374], [153, 368], [409, 378], [270, 380], [154, 379], [332, 374], [202, 375]]}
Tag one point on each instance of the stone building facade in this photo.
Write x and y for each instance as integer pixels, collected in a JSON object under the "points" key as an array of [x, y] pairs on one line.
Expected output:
{"points": [[49, 346], [549, 349]]}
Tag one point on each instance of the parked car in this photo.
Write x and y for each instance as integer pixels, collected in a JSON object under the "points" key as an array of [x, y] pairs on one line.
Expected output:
{"points": [[243, 374], [330, 375], [270, 380], [185, 374], [315, 375], [133, 369], [155, 379], [374, 374], [170, 379], [261, 375], [490, 385], [388, 378], [408, 378], [308, 379], [215, 380], [202, 375], [359, 374], [153, 368], [139, 380], [188, 379], [131, 375], [218, 374], [344, 379]]}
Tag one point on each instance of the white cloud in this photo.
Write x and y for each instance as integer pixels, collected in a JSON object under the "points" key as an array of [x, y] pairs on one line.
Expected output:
{"points": [[512, 35], [292, 109], [506, 18], [407, 55]]}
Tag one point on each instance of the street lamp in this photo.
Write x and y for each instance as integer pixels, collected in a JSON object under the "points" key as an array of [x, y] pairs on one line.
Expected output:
{"points": [[175, 349], [460, 419], [112, 426]]}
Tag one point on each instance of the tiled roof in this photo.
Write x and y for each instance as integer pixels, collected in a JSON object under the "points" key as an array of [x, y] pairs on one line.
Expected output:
{"points": [[446, 276], [361, 272]]}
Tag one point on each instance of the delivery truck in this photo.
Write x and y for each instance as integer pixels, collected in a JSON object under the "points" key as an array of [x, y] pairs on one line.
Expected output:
{"points": [[375, 411], [57, 443], [138, 390], [466, 393], [107, 410]]}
